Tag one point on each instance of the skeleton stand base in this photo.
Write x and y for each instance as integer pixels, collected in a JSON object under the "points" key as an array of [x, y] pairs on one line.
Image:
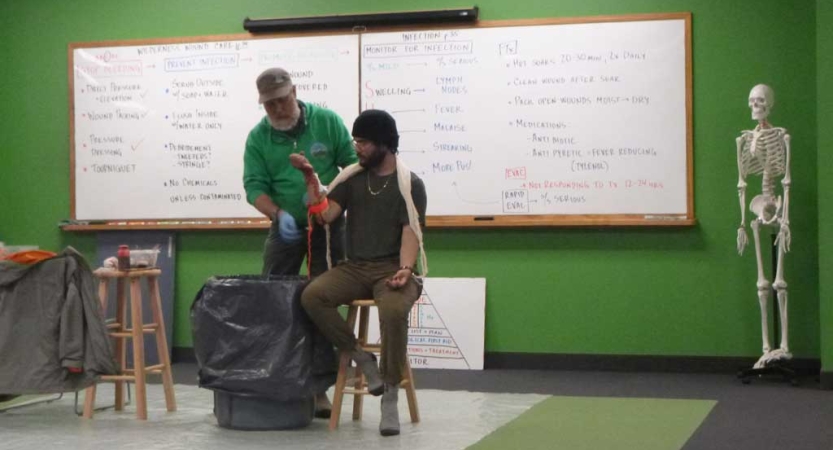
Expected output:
{"points": [[780, 368]]}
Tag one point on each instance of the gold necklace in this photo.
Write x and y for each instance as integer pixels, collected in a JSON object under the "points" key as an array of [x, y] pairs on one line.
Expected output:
{"points": [[380, 190]]}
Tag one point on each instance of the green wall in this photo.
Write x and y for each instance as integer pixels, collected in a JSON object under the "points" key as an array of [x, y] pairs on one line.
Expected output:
{"points": [[824, 51], [651, 291]]}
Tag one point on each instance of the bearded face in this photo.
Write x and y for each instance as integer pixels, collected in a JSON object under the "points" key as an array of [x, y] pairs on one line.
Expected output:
{"points": [[283, 112], [371, 156]]}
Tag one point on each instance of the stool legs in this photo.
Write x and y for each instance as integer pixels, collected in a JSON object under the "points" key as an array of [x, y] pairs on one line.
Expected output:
{"points": [[341, 379], [137, 325], [89, 402], [162, 344], [135, 333], [359, 390], [121, 344], [358, 399], [410, 392]]}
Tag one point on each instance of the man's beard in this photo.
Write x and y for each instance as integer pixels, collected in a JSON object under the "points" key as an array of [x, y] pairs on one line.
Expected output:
{"points": [[374, 159], [289, 123]]}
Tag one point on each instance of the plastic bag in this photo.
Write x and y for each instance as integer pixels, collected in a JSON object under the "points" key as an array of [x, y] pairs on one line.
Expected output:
{"points": [[252, 336]]}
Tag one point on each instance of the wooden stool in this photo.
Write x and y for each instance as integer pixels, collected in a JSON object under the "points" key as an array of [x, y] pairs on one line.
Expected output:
{"points": [[121, 333], [359, 389]]}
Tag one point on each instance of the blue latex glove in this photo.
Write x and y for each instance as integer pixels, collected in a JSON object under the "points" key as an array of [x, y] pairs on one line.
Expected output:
{"points": [[288, 228]]}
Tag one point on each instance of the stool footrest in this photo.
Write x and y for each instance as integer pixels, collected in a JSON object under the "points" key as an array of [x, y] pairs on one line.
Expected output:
{"points": [[372, 348], [156, 368], [148, 329], [117, 378], [354, 391]]}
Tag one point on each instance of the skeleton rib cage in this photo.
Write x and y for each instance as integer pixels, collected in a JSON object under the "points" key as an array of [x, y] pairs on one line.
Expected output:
{"points": [[764, 153]]}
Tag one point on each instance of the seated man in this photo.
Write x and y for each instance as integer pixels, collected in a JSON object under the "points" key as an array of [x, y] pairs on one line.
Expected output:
{"points": [[386, 209]]}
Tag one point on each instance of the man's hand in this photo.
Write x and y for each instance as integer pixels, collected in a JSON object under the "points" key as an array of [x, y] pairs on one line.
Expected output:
{"points": [[399, 279]]}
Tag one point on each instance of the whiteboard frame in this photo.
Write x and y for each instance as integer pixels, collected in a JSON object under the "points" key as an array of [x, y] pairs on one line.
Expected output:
{"points": [[463, 221]]}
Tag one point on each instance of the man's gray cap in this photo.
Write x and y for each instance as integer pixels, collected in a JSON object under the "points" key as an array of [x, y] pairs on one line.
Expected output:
{"points": [[273, 83]]}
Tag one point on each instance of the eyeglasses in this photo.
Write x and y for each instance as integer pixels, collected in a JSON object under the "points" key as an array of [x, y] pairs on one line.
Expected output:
{"points": [[361, 142]]}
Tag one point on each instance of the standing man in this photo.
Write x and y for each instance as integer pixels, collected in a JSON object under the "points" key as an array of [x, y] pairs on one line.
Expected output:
{"points": [[386, 211], [277, 190]]}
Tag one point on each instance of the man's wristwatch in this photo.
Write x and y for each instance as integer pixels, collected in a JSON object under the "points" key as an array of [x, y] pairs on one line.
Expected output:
{"points": [[406, 267]]}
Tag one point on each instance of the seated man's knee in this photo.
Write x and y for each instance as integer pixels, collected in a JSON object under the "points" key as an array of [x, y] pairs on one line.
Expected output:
{"points": [[311, 297], [391, 311]]}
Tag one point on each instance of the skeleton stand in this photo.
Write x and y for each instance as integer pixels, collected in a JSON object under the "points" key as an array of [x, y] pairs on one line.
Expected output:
{"points": [[765, 151], [779, 368]]}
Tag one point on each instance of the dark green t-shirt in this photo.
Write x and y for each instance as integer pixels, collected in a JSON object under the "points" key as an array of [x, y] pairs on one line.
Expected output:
{"points": [[376, 213]]}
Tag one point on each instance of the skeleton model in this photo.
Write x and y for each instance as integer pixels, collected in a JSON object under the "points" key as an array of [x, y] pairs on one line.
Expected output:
{"points": [[765, 151]]}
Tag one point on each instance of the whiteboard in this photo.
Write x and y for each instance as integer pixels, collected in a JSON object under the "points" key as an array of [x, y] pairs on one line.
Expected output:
{"points": [[446, 325], [160, 130], [573, 119]]}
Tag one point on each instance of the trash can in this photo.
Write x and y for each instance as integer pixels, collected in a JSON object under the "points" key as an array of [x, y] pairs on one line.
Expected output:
{"points": [[259, 352], [253, 412]]}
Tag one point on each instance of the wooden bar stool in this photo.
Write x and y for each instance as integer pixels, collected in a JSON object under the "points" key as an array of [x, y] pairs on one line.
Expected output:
{"points": [[359, 389], [135, 332]]}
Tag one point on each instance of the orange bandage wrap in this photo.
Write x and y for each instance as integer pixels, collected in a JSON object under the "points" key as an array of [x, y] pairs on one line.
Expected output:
{"points": [[319, 207]]}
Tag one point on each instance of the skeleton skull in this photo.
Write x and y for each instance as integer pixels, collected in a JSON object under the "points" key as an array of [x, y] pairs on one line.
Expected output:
{"points": [[761, 101]]}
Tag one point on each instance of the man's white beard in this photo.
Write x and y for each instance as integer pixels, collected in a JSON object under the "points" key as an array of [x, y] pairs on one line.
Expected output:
{"points": [[287, 124]]}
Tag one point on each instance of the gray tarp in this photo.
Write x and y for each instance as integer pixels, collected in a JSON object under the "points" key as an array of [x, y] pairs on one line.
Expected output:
{"points": [[51, 322]]}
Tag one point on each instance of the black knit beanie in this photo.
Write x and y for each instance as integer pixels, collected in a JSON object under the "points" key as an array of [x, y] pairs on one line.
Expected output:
{"points": [[377, 126]]}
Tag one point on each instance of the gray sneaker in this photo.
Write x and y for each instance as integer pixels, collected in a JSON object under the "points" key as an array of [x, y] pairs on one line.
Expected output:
{"points": [[367, 363]]}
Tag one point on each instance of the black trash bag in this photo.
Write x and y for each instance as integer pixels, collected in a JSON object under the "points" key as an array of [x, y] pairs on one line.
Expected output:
{"points": [[251, 336]]}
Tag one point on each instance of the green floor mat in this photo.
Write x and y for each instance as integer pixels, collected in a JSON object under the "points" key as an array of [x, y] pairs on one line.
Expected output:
{"points": [[601, 423]]}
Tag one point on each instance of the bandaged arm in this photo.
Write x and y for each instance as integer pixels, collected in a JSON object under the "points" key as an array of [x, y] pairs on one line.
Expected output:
{"points": [[319, 206]]}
